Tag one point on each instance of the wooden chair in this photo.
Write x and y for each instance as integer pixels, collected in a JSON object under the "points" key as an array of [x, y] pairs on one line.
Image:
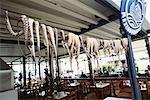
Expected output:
{"points": [[107, 91], [124, 95], [91, 96], [73, 95], [116, 84], [95, 92], [148, 87], [64, 86], [125, 91], [88, 83]]}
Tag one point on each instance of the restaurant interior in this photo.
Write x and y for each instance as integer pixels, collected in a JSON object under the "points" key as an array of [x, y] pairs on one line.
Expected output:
{"points": [[82, 56]]}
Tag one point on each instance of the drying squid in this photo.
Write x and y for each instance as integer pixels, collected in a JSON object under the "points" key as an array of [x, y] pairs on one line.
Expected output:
{"points": [[31, 46], [70, 44], [38, 37], [77, 48], [70, 39], [46, 42], [107, 46], [82, 43], [124, 43], [88, 45], [95, 51], [71, 35], [101, 44], [116, 46], [25, 28], [64, 42], [10, 28], [52, 38], [92, 45], [96, 45], [62, 34], [56, 42], [78, 44]]}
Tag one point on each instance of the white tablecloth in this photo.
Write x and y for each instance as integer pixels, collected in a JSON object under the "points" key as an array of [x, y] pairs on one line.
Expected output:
{"points": [[115, 98]]}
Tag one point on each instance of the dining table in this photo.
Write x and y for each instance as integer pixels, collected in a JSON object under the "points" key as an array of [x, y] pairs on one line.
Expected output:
{"points": [[73, 84], [115, 98], [100, 88], [62, 95]]}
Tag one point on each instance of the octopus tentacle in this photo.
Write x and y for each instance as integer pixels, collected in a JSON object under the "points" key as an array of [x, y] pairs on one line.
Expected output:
{"points": [[45, 39], [52, 37], [38, 37], [25, 28], [31, 47], [10, 28]]}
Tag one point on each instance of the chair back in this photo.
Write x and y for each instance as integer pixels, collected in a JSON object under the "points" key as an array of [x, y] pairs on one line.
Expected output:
{"points": [[148, 87], [72, 95]]}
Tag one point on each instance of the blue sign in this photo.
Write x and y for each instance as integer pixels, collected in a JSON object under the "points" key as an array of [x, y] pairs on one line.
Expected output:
{"points": [[132, 15]]}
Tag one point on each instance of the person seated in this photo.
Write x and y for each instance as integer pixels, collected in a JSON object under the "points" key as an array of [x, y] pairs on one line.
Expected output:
{"points": [[83, 75]]}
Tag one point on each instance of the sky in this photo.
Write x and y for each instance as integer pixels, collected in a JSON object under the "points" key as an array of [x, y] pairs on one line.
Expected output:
{"points": [[147, 16]]}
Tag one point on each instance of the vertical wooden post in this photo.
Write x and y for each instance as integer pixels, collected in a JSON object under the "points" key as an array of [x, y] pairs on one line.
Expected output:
{"points": [[39, 70], [90, 69], [35, 69], [148, 46], [24, 71], [51, 70]]}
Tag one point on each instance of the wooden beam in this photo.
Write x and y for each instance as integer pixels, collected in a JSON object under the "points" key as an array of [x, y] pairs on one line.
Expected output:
{"points": [[96, 35], [47, 22], [110, 30], [101, 22], [86, 8], [103, 33], [10, 56], [63, 10], [43, 15]]}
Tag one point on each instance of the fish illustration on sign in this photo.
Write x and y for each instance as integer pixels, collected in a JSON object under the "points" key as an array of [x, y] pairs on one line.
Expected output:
{"points": [[132, 15]]}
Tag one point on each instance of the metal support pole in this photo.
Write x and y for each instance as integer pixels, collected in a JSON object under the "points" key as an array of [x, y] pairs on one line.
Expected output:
{"points": [[148, 46], [90, 69], [51, 71], [132, 71], [35, 68], [24, 71], [39, 70]]}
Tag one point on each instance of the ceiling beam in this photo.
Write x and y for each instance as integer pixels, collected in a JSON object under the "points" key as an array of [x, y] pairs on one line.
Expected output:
{"points": [[105, 3], [63, 10], [10, 56], [110, 30], [86, 8], [95, 35], [111, 5], [11, 41], [8, 41], [42, 15], [103, 33], [148, 31], [56, 25], [101, 22]]}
